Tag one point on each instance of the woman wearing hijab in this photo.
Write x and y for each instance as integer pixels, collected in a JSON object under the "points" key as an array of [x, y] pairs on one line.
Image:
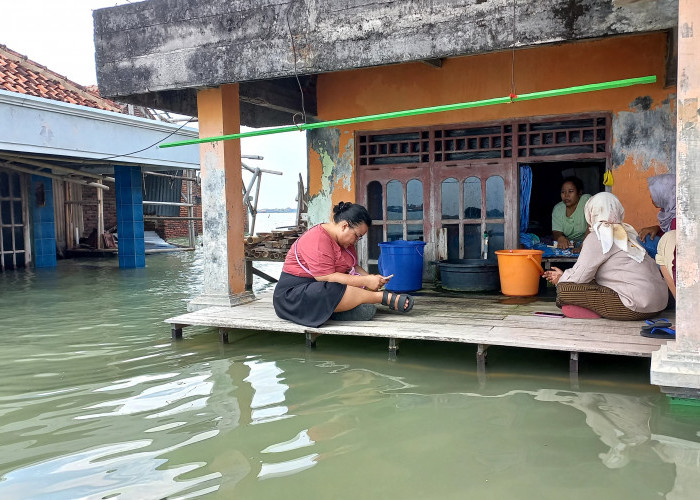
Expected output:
{"points": [[613, 277], [663, 195]]}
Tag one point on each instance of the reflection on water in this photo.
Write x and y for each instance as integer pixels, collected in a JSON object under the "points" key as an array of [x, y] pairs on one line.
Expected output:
{"points": [[96, 402]]}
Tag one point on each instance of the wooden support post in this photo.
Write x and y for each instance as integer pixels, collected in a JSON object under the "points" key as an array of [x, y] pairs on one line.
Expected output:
{"points": [[481, 357], [481, 364], [249, 275], [100, 218], [223, 335], [190, 209], [393, 348], [573, 371], [311, 339], [176, 331], [573, 363]]}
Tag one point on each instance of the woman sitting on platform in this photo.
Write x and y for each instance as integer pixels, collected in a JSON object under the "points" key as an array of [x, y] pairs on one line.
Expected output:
{"points": [[568, 222], [321, 277], [614, 277], [663, 195]]}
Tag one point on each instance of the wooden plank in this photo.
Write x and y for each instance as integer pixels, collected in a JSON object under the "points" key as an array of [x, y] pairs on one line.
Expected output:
{"points": [[479, 320]]}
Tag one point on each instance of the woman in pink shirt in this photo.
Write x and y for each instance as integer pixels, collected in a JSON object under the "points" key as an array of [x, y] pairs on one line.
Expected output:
{"points": [[321, 276]]}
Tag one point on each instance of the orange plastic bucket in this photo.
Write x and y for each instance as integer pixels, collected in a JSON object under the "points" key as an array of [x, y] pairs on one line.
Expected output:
{"points": [[520, 271]]}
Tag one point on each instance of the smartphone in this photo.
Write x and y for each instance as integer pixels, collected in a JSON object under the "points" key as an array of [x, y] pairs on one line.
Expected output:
{"points": [[549, 314], [388, 277]]}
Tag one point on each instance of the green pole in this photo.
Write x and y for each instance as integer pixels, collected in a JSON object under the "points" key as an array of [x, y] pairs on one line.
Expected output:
{"points": [[593, 87]]}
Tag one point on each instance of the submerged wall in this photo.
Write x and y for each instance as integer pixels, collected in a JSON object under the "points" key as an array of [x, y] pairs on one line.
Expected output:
{"points": [[643, 117]]}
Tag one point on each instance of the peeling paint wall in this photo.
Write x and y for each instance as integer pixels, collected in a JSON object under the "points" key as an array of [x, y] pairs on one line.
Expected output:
{"points": [[644, 133], [643, 116], [643, 146], [332, 180]]}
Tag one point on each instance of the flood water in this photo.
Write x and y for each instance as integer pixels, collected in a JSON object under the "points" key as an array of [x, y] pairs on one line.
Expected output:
{"points": [[96, 401]]}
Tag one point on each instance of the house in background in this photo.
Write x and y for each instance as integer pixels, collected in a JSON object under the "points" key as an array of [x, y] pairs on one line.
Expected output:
{"points": [[442, 178], [72, 165]]}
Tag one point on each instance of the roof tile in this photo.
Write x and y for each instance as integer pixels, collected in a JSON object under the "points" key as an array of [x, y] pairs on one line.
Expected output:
{"points": [[20, 74]]}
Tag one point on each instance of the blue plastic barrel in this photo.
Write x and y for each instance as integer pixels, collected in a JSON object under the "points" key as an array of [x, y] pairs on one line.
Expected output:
{"points": [[403, 259]]}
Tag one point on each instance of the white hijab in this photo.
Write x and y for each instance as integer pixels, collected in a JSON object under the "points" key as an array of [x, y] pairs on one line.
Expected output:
{"points": [[604, 214]]}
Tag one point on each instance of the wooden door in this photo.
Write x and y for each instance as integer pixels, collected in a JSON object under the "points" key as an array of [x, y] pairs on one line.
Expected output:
{"points": [[470, 198], [398, 201]]}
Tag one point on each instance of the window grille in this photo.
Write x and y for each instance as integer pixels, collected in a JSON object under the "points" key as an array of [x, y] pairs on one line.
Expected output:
{"points": [[569, 137]]}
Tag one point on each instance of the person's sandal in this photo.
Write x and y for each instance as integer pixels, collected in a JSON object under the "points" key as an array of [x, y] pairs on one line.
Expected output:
{"points": [[655, 323], [393, 302]]}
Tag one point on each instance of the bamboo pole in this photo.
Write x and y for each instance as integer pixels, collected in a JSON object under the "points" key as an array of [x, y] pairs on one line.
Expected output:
{"points": [[42, 164], [167, 203], [170, 176], [17, 168], [100, 218], [190, 212], [593, 87]]}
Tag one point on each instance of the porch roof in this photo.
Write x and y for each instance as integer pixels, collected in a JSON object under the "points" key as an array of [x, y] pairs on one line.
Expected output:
{"points": [[91, 140], [159, 52]]}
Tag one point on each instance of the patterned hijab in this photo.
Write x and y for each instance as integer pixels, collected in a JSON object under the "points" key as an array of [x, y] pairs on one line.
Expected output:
{"points": [[663, 194], [604, 213]]}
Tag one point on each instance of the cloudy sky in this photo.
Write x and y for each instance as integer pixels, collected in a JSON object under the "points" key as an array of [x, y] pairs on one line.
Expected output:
{"points": [[58, 34]]}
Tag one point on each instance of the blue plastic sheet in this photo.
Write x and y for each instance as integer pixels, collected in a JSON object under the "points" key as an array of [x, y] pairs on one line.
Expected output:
{"points": [[651, 245], [525, 190]]}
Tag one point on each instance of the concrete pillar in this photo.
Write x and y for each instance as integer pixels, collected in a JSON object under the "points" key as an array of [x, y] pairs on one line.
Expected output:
{"points": [[43, 223], [132, 249], [676, 366], [218, 111]]}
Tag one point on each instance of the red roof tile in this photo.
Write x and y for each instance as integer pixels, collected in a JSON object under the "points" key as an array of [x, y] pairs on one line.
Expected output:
{"points": [[20, 74]]}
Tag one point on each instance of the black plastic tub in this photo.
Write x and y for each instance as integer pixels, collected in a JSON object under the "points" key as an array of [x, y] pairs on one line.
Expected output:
{"points": [[469, 275]]}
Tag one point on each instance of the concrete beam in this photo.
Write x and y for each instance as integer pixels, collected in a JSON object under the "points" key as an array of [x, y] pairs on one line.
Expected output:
{"points": [[165, 45], [676, 366], [263, 104]]}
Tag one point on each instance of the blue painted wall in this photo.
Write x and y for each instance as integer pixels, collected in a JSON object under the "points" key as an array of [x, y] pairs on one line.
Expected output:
{"points": [[43, 224], [132, 248]]}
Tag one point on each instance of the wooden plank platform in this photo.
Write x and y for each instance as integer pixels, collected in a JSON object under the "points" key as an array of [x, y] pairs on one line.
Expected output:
{"points": [[475, 319]]}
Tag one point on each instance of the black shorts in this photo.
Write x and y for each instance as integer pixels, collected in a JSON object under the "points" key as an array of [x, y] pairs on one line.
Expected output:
{"points": [[306, 301]]}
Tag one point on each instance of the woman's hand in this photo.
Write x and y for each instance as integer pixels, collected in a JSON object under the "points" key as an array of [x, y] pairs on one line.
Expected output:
{"points": [[553, 275], [650, 231], [374, 281], [563, 242]]}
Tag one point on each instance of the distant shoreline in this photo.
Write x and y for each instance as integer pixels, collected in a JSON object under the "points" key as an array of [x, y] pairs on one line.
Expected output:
{"points": [[276, 210]]}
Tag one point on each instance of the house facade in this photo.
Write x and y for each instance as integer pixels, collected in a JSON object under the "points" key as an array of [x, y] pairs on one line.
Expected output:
{"points": [[443, 178], [64, 151]]}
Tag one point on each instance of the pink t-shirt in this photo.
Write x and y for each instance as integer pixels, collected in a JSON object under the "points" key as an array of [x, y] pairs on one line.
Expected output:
{"points": [[320, 254]]}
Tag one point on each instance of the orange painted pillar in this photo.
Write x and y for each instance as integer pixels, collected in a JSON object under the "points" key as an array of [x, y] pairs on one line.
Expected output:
{"points": [[677, 364], [222, 200]]}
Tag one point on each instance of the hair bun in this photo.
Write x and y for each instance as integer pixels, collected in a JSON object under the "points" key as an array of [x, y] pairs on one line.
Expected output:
{"points": [[341, 207]]}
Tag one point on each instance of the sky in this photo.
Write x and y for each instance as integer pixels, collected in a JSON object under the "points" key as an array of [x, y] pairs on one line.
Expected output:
{"points": [[59, 34]]}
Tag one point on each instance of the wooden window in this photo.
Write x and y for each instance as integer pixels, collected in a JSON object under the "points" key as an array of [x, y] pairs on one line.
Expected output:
{"points": [[12, 230], [396, 148], [579, 137], [469, 173]]}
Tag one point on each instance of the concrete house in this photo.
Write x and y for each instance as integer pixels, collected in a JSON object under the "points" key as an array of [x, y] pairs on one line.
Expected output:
{"points": [[64, 153], [442, 177]]}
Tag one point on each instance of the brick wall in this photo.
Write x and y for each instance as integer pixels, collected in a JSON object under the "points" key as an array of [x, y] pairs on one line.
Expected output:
{"points": [[174, 228], [90, 211], [164, 228]]}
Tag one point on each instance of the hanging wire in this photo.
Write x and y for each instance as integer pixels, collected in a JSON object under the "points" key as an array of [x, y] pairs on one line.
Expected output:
{"points": [[513, 93], [296, 73], [147, 147]]}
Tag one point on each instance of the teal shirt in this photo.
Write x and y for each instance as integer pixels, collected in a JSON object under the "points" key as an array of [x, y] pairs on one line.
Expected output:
{"points": [[573, 227]]}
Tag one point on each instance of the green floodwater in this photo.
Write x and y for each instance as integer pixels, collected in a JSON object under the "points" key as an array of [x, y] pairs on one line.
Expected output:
{"points": [[97, 402]]}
